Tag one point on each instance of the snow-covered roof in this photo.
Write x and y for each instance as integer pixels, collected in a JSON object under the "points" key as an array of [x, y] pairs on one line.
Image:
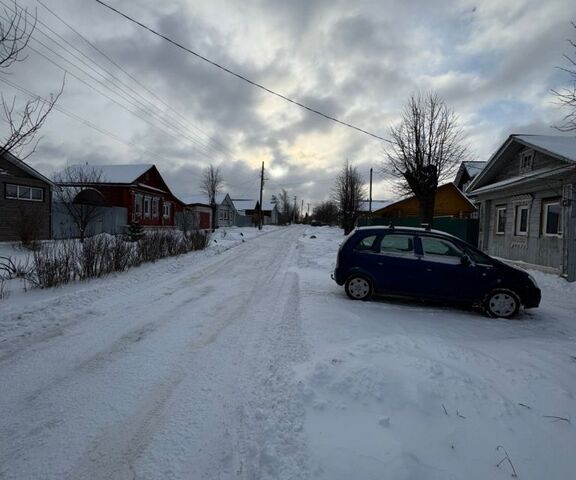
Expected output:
{"points": [[24, 166], [202, 198], [243, 204], [117, 173], [474, 167], [376, 205], [556, 145]]}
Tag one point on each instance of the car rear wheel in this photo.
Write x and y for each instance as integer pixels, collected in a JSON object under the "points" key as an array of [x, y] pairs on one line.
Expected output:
{"points": [[358, 288], [502, 303]]}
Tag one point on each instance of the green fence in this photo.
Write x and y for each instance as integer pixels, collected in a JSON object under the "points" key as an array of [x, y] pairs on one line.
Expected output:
{"points": [[463, 228]]}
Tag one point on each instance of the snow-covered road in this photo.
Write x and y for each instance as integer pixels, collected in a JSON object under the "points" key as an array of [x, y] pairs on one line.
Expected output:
{"points": [[184, 374], [250, 363]]}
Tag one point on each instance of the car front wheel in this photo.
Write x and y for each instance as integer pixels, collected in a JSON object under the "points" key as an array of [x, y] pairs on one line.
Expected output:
{"points": [[502, 303], [358, 288]]}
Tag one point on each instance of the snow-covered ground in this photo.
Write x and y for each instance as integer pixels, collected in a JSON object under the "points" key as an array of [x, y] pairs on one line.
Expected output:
{"points": [[247, 361]]}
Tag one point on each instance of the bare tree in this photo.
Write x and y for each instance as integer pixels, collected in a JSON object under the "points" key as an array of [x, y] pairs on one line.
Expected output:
{"points": [[78, 196], [567, 96], [326, 212], [211, 186], [23, 124], [427, 146], [285, 207], [348, 193]]}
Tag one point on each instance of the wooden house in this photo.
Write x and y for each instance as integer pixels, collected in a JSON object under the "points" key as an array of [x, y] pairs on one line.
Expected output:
{"points": [[25, 201], [140, 189], [450, 202], [526, 196]]}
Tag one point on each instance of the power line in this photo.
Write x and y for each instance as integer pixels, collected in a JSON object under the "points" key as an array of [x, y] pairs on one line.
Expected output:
{"points": [[239, 76], [107, 57], [135, 102]]}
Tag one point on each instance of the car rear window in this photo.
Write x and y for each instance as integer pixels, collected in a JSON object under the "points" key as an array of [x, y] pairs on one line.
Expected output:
{"points": [[397, 245], [366, 243]]}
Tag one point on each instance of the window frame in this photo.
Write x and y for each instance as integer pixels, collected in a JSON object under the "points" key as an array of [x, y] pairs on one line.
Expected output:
{"points": [[155, 207], [410, 255], [548, 203], [138, 209], [147, 206], [166, 209], [518, 221], [27, 198], [526, 166], [499, 210]]}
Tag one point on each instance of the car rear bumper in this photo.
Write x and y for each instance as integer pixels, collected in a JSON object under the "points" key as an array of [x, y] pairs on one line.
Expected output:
{"points": [[337, 276]]}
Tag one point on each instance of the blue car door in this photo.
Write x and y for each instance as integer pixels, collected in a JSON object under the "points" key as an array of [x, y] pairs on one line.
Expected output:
{"points": [[397, 267], [449, 274]]}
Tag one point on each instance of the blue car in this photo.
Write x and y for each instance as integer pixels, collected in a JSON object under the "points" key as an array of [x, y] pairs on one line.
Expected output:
{"points": [[430, 264]]}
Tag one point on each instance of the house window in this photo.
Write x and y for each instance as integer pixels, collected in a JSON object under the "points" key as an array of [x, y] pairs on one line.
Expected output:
{"points": [[526, 159], [155, 207], [138, 204], [521, 220], [147, 207], [166, 210], [551, 218], [22, 192], [500, 220]]}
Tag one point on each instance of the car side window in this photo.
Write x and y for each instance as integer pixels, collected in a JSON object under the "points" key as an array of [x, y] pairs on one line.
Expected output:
{"points": [[440, 250], [366, 243], [397, 245]]}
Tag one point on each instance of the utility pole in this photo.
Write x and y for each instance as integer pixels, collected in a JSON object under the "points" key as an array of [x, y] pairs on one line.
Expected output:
{"points": [[308, 211], [302, 211], [294, 215], [370, 203], [260, 204]]}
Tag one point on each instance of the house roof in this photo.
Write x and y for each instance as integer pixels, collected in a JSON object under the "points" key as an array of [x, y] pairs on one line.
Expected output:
{"points": [[202, 198], [376, 205], [125, 174], [560, 147], [244, 204], [24, 166], [555, 145], [446, 186]]}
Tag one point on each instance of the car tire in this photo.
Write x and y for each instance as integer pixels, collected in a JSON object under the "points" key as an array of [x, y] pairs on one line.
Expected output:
{"points": [[502, 303], [358, 287]]}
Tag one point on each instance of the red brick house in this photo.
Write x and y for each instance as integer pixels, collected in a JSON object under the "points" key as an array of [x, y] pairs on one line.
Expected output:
{"points": [[138, 188]]}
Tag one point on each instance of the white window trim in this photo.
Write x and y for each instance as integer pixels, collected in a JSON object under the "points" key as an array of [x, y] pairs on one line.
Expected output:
{"points": [[155, 207], [138, 204], [147, 206], [545, 205], [517, 230], [18, 197], [166, 210], [528, 167], [498, 210]]}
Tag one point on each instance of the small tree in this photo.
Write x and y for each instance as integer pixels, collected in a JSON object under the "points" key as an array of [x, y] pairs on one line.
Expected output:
{"points": [[426, 149], [567, 96], [211, 186], [23, 124], [326, 212], [348, 193], [285, 207], [78, 197]]}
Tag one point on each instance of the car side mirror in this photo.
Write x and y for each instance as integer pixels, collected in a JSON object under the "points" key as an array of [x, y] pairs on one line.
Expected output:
{"points": [[465, 261]]}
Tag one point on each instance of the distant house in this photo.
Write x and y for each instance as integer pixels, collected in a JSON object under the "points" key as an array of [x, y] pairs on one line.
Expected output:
{"points": [[527, 195], [450, 202], [467, 172], [137, 193], [248, 212], [25, 200], [225, 210], [366, 207], [200, 215]]}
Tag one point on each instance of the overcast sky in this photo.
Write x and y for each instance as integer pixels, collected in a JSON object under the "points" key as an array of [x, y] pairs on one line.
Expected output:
{"points": [[493, 61]]}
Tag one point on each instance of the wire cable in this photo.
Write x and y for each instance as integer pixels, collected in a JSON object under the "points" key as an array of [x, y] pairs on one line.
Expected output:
{"points": [[241, 77]]}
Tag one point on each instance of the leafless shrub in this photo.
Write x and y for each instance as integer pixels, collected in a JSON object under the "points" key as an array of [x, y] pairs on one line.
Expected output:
{"points": [[55, 264], [4, 292], [197, 241], [28, 228], [10, 268]]}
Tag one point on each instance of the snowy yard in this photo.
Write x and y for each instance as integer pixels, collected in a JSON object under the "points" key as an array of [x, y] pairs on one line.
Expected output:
{"points": [[246, 361]]}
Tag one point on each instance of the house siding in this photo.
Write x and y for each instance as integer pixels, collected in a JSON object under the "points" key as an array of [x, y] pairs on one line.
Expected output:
{"points": [[535, 247], [13, 211]]}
